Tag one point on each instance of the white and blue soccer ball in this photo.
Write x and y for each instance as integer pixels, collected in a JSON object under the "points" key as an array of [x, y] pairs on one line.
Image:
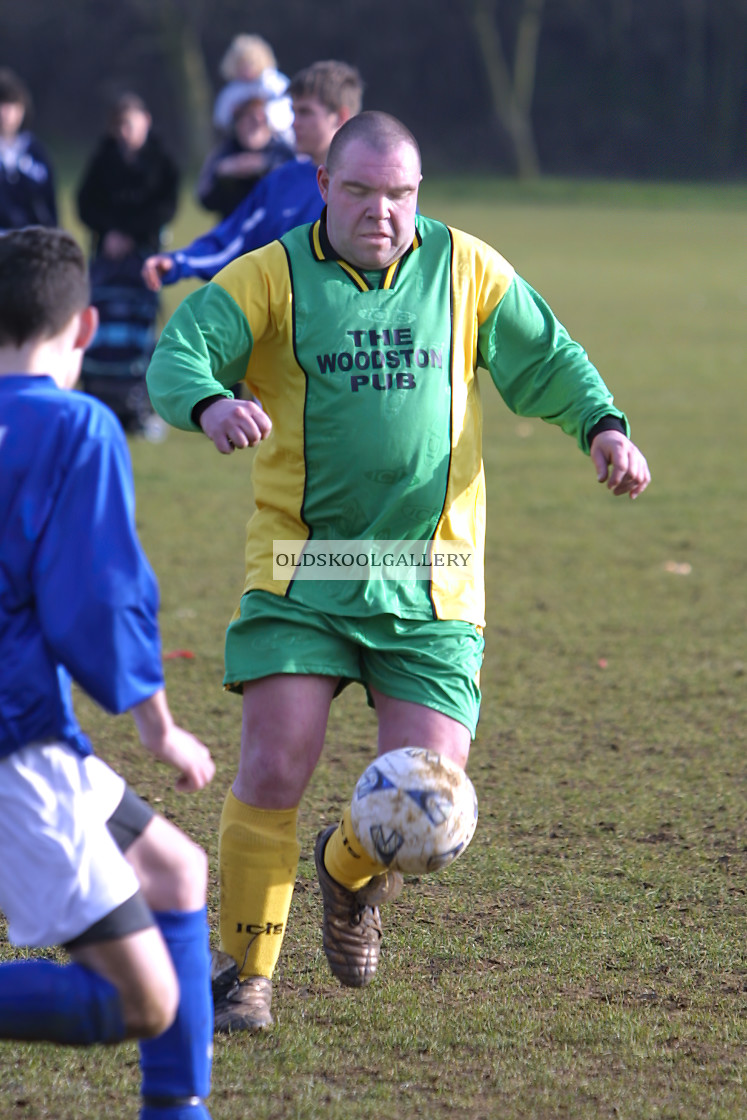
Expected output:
{"points": [[414, 810]]}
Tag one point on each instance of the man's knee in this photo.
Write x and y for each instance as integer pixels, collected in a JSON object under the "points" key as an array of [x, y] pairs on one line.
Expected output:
{"points": [[152, 1009], [172, 869], [189, 876], [140, 967]]}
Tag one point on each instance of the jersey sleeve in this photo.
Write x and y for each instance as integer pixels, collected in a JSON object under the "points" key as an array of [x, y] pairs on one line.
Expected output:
{"points": [[203, 350], [538, 368], [243, 230], [97, 596]]}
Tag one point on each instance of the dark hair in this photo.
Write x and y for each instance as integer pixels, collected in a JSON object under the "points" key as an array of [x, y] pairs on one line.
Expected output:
{"points": [[43, 283], [125, 102], [379, 130], [13, 91], [335, 84]]}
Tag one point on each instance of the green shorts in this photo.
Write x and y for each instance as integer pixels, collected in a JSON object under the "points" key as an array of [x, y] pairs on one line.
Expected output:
{"points": [[434, 663]]}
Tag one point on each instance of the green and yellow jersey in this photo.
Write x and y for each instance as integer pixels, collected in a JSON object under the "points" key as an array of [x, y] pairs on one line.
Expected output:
{"points": [[370, 383]]}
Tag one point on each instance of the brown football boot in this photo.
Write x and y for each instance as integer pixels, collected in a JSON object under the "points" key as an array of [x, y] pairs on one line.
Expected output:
{"points": [[351, 926], [224, 973], [245, 1006]]}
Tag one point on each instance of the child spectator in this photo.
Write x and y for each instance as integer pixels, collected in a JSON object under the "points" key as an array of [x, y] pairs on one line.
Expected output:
{"points": [[241, 159], [250, 58], [27, 190], [127, 195], [129, 191]]}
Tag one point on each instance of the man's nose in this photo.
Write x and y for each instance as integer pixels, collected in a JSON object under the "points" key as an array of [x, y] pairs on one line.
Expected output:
{"points": [[378, 206]]}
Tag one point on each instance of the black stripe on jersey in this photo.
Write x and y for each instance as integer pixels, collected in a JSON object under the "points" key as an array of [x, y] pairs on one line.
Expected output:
{"points": [[289, 588], [451, 401]]}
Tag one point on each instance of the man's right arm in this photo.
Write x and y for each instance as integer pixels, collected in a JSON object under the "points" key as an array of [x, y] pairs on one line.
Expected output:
{"points": [[203, 350]]}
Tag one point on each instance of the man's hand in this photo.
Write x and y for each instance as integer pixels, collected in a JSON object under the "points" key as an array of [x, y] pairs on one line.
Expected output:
{"points": [[188, 755], [241, 165], [234, 424], [169, 743], [154, 269], [619, 463]]}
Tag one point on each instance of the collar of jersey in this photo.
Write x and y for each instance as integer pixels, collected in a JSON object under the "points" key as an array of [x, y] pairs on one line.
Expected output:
{"points": [[322, 250]]}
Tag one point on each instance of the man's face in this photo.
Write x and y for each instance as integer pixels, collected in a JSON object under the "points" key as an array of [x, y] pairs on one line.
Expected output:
{"points": [[371, 201], [314, 126]]}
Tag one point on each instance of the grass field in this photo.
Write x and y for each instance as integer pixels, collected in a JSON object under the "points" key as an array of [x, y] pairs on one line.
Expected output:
{"points": [[586, 958]]}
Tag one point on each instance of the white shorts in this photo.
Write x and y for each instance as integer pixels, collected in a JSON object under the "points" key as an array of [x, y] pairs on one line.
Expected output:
{"points": [[60, 868]]}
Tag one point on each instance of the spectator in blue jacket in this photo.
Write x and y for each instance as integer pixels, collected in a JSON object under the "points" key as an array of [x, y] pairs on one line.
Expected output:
{"points": [[325, 95], [27, 188]]}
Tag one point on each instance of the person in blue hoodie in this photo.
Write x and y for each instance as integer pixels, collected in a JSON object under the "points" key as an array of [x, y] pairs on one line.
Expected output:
{"points": [[324, 95], [27, 185], [85, 864]]}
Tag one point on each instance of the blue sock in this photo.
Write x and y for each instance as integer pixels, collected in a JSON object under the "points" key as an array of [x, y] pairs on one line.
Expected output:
{"points": [[46, 1002], [176, 1066], [186, 1110]]}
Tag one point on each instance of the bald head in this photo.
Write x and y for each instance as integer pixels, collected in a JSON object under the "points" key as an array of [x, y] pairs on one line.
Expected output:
{"points": [[379, 131], [370, 185]]}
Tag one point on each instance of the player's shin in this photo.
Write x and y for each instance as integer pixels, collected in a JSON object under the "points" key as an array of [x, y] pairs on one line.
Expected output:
{"points": [[68, 1004], [259, 855], [176, 1065]]}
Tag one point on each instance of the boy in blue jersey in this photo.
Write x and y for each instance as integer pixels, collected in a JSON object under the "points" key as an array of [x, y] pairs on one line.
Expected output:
{"points": [[84, 863], [325, 95]]}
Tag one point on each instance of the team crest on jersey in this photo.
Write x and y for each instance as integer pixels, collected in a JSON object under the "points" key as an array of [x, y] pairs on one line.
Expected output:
{"points": [[385, 315]]}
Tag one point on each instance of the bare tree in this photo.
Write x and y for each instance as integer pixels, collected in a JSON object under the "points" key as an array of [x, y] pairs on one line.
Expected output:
{"points": [[511, 87], [178, 23]]}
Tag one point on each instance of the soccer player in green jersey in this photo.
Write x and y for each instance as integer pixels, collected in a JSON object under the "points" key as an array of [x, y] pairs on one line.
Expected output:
{"points": [[361, 335]]}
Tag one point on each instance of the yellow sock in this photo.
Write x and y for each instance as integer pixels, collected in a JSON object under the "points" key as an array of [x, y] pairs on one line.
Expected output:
{"points": [[258, 858], [345, 858]]}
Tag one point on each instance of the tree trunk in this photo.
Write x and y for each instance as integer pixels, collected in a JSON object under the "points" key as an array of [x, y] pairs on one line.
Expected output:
{"points": [[511, 91], [178, 25]]}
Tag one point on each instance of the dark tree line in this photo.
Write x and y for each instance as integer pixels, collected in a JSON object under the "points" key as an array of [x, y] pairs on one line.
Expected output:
{"points": [[648, 88]]}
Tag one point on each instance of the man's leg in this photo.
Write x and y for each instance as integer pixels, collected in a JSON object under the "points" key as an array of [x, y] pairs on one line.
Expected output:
{"points": [[166, 967], [176, 1065], [284, 723], [353, 884], [139, 971], [175, 1059], [130, 992], [62, 877]]}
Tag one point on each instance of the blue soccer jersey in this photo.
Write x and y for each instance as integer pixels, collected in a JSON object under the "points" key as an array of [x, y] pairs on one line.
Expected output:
{"points": [[78, 597]]}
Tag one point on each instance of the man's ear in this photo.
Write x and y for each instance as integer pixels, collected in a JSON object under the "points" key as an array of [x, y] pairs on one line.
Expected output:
{"points": [[322, 178], [87, 326]]}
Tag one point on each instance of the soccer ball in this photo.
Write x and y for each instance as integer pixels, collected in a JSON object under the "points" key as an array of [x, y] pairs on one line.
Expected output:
{"points": [[413, 810]]}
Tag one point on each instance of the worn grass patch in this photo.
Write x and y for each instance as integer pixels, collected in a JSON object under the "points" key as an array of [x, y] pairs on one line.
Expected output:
{"points": [[586, 958]]}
